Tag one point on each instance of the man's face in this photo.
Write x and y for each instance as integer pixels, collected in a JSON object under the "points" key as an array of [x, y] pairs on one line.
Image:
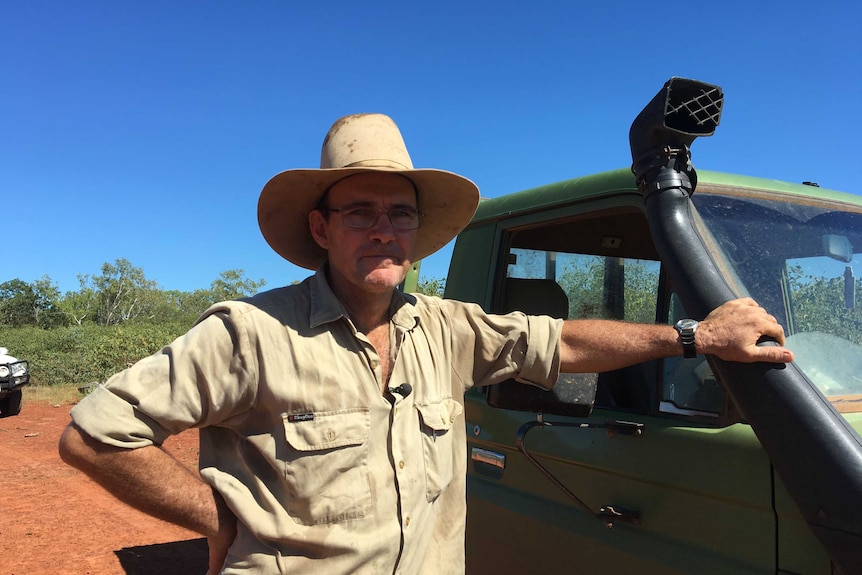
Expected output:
{"points": [[375, 259]]}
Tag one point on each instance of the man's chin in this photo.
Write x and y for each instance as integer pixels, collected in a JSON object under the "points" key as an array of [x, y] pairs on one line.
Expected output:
{"points": [[386, 278]]}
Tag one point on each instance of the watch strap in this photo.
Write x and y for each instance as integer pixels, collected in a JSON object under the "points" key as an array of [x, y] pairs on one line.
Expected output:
{"points": [[686, 329]]}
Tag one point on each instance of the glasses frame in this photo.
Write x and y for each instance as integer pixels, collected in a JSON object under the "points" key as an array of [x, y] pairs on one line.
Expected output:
{"points": [[346, 213]]}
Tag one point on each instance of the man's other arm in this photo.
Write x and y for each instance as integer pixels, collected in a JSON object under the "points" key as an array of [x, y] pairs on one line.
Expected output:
{"points": [[730, 332], [150, 480]]}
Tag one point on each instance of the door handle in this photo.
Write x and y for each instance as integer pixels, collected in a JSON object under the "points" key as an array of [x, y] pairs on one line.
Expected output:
{"points": [[486, 462]]}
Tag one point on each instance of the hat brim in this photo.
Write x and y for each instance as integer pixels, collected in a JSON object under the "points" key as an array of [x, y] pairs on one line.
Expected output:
{"points": [[446, 200]]}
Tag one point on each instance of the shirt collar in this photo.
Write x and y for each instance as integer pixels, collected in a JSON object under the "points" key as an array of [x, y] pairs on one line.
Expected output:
{"points": [[325, 306], [403, 312]]}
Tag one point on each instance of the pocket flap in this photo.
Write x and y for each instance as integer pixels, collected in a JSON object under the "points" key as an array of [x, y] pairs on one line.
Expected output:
{"points": [[440, 415], [326, 429]]}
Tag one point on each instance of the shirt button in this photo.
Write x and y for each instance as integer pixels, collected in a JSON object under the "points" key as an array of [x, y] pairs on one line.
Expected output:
{"points": [[407, 522], [330, 434], [401, 465]]}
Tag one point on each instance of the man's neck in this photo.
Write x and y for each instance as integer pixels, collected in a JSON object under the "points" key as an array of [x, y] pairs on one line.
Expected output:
{"points": [[368, 312], [367, 309]]}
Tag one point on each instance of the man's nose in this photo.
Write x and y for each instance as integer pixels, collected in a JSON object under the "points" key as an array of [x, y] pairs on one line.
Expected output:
{"points": [[382, 227]]}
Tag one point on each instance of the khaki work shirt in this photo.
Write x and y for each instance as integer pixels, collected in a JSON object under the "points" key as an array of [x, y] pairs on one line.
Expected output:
{"points": [[324, 472]]}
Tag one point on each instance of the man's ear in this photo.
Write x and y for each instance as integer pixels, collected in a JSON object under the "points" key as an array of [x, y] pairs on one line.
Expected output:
{"points": [[317, 226]]}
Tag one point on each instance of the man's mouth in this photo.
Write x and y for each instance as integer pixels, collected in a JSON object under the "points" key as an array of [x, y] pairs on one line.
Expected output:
{"points": [[393, 257]]}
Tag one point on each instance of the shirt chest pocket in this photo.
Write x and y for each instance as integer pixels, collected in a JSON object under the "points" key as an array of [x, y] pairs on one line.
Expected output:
{"points": [[326, 465], [436, 420]]}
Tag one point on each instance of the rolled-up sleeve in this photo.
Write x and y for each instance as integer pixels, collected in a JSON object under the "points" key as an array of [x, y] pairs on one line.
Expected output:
{"points": [[541, 365], [489, 348], [201, 378]]}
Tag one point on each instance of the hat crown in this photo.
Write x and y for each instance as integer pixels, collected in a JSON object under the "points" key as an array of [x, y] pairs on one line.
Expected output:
{"points": [[365, 141]]}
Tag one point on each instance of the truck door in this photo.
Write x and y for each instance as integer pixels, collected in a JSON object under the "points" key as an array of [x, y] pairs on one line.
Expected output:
{"points": [[693, 484]]}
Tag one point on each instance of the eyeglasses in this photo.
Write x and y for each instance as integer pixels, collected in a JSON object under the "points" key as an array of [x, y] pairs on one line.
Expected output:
{"points": [[363, 218]]}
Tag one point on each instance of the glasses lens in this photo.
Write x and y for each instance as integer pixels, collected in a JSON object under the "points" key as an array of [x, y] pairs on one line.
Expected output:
{"points": [[364, 218], [404, 219], [360, 218]]}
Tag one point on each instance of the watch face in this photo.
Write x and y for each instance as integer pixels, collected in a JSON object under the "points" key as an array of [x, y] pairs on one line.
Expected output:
{"points": [[686, 323]]}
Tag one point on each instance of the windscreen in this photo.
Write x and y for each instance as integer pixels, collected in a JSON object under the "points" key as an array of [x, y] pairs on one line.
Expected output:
{"points": [[800, 258]]}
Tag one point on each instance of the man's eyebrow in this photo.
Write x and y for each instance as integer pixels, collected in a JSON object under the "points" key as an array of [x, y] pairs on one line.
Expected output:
{"points": [[402, 206], [358, 204]]}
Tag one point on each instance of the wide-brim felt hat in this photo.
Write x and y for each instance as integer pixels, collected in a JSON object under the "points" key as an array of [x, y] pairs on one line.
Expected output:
{"points": [[356, 144]]}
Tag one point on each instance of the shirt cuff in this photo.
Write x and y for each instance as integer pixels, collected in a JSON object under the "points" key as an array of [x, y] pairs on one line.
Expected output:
{"points": [[102, 415], [542, 361]]}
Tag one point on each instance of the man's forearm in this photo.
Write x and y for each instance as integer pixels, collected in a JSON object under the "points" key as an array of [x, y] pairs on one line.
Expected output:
{"points": [[592, 345], [731, 332], [148, 479]]}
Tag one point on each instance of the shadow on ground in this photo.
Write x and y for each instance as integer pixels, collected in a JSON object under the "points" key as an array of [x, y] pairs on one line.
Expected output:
{"points": [[175, 558]]}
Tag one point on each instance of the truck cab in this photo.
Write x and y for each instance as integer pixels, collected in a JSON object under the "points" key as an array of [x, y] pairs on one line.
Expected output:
{"points": [[677, 466]]}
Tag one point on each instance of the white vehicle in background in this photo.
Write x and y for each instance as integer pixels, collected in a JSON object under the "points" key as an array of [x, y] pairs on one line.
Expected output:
{"points": [[14, 374]]}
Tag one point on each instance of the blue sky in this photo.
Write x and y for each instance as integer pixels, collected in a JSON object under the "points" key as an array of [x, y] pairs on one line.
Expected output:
{"points": [[146, 130]]}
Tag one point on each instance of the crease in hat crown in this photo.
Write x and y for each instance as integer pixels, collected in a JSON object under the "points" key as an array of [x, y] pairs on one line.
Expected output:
{"points": [[355, 144], [365, 141]]}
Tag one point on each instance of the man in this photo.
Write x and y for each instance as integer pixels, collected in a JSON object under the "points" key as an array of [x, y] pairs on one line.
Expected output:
{"points": [[332, 432]]}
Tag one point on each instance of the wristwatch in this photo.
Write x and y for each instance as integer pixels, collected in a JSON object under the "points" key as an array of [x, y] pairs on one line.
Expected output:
{"points": [[686, 328]]}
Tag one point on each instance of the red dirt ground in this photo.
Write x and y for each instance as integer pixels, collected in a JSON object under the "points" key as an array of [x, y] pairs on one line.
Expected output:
{"points": [[54, 520]]}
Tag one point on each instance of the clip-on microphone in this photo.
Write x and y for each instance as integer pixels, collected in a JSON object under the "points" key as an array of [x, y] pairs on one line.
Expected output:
{"points": [[404, 390]]}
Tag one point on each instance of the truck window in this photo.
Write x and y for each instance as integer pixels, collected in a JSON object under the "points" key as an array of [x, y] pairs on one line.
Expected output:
{"points": [[607, 287], [799, 258], [688, 385], [826, 334], [592, 267]]}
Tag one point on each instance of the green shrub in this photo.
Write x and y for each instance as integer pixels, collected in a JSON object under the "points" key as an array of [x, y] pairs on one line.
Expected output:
{"points": [[79, 355]]}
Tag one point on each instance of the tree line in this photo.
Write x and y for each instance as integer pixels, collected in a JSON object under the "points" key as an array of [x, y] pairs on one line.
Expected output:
{"points": [[113, 319], [120, 293]]}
